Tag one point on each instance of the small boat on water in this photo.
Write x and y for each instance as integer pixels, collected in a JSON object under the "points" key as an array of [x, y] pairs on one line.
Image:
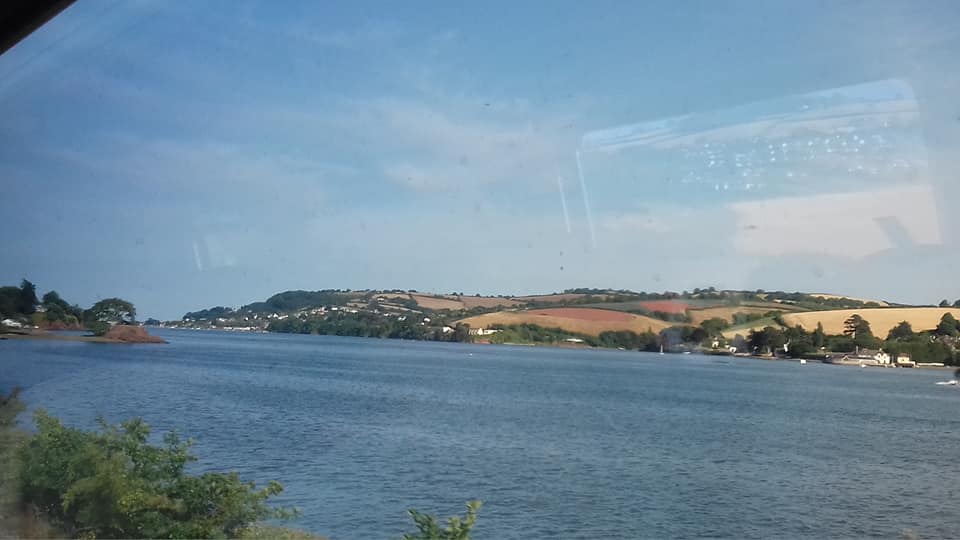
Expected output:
{"points": [[803, 362], [952, 382]]}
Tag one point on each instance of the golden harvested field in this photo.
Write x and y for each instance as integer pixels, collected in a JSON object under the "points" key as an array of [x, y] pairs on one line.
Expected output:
{"points": [[471, 302], [841, 297], [579, 320], [881, 319], [697, 316], [430, 302]]}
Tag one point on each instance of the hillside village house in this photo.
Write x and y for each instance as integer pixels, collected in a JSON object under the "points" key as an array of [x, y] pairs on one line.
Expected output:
{"points": [[903, 360], [482, 332]]}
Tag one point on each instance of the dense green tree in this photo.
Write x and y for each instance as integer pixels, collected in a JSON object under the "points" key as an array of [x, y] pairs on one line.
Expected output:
{"points": [[818, 339], [52, 297], [209, 313], [54, 312], [798, 341], [296, 300], [58, 310], [901, 332], [858, 329], [769, 339], [944, 303], [948, 326], [852, 325], [111, 311], [626, 339], [840, 344], [28, 297], [715, 326]]}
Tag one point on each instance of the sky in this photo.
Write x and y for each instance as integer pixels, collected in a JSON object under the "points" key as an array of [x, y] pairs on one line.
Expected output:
{"points": [[186, 155]]}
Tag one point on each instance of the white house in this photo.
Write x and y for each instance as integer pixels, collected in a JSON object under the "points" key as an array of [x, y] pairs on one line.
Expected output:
{"points": [[482, 332], [903, 360], [12, 323]]}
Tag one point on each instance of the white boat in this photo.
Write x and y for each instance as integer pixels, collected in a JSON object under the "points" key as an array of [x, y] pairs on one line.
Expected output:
{"points": [[661, 349], [948, 383], [803, 361]]}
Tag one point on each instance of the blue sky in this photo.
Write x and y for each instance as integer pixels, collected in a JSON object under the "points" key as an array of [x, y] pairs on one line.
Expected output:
{"points": [[183, 156]]}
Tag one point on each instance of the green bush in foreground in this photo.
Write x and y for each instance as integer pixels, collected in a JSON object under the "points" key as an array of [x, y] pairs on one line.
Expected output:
{"points": [[456, 529], [112, 484]]}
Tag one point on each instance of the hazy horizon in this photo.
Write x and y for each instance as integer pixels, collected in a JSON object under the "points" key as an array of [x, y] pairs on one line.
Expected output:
{"points": [[183, 157]]}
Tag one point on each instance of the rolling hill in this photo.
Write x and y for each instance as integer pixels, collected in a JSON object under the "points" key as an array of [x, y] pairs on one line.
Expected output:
{"points": [[588, 321]]}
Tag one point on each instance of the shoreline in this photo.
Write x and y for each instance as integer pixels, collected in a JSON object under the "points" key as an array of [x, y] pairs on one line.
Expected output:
{"points": [[56, 337], [50, 336]]}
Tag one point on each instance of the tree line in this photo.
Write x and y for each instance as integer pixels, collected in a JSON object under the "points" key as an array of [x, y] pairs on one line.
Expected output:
{"points": [[937, 345], [368, 324], [20, 304]]}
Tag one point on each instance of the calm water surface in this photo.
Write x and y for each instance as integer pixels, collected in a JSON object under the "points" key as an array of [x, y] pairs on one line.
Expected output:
{"points": [[557, 443]]}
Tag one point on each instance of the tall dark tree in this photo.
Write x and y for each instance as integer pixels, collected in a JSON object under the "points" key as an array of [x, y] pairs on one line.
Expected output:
{"points": [[901, 332], [858, 329], [28, 298], [944, 303], [852, 325], [948, 326], [819, 339]]}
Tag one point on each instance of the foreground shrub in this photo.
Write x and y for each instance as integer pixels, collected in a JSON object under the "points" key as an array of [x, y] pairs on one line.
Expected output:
{"points": [[456, 529], [113, 484]]}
